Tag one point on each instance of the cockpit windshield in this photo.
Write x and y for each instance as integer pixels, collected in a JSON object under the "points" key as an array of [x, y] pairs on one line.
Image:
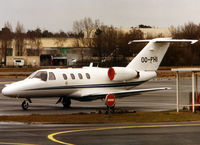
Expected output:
{"points": [[31, 75], [41, 75]]}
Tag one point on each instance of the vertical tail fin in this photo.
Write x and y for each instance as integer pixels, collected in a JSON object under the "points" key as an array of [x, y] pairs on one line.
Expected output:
{"points": [[152, 54]]}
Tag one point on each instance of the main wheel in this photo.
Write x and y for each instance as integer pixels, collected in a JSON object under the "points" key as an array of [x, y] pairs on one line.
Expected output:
{"points": [[66, 102], [25, 105]]}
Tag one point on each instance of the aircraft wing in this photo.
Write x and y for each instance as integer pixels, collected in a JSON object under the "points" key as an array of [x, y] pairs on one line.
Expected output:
{"points": [[86, 95]]}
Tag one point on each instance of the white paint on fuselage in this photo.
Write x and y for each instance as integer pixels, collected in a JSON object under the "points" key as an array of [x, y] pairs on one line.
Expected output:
{"points": [[34, 87]]}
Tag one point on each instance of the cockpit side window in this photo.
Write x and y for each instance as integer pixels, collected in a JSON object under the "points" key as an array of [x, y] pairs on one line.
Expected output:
{"points": [[52, 76], [41, 75]]}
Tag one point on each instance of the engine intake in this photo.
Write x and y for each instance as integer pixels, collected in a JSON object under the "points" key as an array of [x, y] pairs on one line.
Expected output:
{"points": [[122, 74]]}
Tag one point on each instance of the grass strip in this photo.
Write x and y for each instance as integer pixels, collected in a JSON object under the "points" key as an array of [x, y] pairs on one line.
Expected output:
{"points": [[141, 117]]}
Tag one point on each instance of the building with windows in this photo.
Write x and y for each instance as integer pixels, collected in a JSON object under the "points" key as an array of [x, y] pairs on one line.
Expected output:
{"points": [[47, 51], [59, 51]]}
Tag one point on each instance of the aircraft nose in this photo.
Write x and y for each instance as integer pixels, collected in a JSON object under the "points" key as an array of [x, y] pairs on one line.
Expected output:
{"points": [[7, 91]]}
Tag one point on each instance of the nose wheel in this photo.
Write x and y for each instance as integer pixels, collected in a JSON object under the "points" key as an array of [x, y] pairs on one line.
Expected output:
{"points": [[25, 105]]}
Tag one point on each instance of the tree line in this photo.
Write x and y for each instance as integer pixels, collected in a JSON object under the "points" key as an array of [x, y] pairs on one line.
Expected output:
{"points": [[7, 35], [184, 54], [110, 44]]}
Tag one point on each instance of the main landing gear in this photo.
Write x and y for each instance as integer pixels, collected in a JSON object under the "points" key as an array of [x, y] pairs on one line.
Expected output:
{"points": [[65, 101], [25, 104]]}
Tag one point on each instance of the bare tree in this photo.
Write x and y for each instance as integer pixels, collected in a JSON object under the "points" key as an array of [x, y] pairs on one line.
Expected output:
{"points": [[19, 40], [34, 41], [60, 39], [6, 41], [9, 26], [84, 29], [112, 42], [184, 54], [188, 30], [106, 40]]}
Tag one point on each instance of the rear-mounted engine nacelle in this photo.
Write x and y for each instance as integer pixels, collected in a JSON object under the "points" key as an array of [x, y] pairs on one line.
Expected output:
{"points": [[122, 74]]}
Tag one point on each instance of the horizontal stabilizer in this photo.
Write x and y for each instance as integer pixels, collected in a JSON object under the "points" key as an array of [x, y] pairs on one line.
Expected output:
{"points": [[166, 40]]}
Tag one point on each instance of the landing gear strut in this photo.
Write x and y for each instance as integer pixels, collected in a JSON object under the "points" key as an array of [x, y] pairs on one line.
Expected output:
{"points": [[65, 101], [25, 104]]}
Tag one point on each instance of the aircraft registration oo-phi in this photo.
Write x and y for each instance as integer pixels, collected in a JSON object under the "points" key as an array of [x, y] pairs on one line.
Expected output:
{"points": [[91, 83]]}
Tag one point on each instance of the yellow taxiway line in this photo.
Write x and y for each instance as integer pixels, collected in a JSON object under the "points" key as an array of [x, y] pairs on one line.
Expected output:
{"points": [[52, 136]]}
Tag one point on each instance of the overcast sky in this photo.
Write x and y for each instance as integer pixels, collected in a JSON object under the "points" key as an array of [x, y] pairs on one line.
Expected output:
{"points": [[56, 15]]}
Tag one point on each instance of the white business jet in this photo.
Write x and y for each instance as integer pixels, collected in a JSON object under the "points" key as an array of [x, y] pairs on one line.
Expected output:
{"points": [[90, 83]]}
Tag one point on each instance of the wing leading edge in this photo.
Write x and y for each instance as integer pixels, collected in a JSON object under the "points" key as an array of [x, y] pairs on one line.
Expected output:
{"points": [[101, 94]]}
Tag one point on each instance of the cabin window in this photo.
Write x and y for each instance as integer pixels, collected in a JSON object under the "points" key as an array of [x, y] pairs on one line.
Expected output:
{"points": [[41, 75], [52, 76], [72, 76], [80, 76], [87, 75], [65, 76]]}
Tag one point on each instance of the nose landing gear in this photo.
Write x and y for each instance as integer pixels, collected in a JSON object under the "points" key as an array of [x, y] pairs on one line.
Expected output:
{"points": [[25, 104]]}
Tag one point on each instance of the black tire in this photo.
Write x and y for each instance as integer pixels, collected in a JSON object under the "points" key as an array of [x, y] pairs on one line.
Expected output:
{"points": [[25, 105], [66, 102]]}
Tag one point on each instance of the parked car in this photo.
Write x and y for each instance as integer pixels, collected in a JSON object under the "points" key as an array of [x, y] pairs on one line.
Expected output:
{"points": [[18, 62]]}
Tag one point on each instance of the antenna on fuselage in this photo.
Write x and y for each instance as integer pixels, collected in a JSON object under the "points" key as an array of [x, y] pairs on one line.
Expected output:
{"points": [[91, 64]]}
